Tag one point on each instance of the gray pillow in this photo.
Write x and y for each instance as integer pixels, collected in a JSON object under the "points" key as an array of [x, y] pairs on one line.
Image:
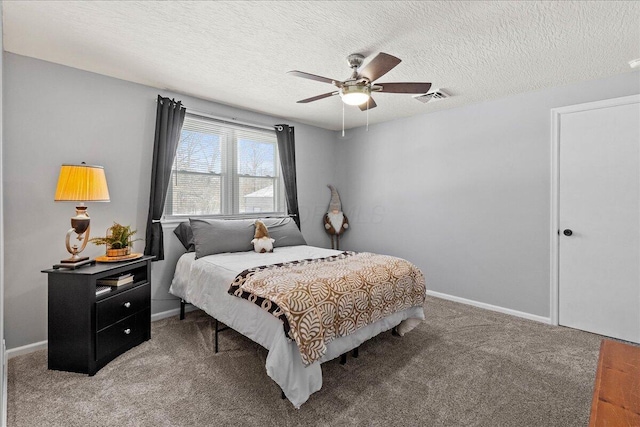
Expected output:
{"points": [[284, 231], [214, 236], [185, 235]]}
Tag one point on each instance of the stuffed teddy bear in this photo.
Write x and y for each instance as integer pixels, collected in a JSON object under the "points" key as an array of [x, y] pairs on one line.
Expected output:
{"points": [[262, 243]]}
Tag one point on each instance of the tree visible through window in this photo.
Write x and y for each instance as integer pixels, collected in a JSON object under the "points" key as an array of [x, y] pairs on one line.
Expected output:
{"points": [[256, 173], [224, 169]]}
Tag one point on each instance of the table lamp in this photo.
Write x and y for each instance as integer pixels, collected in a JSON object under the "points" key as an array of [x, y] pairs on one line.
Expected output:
{"points": [[80, 183]]}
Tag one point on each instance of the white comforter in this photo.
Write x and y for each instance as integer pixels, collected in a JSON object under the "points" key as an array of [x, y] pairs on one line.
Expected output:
{"points": [[204, 283]]}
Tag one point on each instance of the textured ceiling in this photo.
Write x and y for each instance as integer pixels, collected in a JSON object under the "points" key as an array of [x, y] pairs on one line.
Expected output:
{"points": [[237, 53]]}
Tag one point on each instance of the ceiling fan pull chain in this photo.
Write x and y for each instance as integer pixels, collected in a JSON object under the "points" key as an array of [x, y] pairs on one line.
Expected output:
{"points": [[368, 114], [343, 119]]}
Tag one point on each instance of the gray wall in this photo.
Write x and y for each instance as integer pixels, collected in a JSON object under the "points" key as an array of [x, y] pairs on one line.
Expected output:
{"points": [[2, 390], [56, 114], [465, 193]]}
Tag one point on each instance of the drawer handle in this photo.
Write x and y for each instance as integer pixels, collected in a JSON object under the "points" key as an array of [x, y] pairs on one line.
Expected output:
{"points": [[127, 304], [127, 331]]}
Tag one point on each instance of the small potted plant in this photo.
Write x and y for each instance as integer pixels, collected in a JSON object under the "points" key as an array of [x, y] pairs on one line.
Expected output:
{"points": [[118, 240]]}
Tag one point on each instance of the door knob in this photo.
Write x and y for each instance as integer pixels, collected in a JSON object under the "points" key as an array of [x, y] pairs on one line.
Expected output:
{"points": [[567, 232]]}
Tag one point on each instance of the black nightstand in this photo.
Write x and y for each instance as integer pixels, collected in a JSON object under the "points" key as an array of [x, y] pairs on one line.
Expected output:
{"points": [[87, 331]]}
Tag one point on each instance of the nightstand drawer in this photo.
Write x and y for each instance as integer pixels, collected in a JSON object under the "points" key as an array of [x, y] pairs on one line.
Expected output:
{"points": [[119, 306], [121, 334]]}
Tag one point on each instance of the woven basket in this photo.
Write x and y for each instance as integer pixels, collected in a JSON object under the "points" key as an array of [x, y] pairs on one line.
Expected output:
{"points": [[118, 252]]}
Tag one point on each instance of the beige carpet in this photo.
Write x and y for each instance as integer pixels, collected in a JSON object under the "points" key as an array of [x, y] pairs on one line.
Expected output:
{"points": [[462, 367]]}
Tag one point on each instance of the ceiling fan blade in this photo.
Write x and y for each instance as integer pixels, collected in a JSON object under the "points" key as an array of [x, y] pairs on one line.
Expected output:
{"points": [[379, 66], [371, 104], [315, 98], [404, 87], [313, 77]]}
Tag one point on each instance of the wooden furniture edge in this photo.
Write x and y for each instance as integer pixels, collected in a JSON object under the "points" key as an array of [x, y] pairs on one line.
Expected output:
{"points": [[596, 388]]}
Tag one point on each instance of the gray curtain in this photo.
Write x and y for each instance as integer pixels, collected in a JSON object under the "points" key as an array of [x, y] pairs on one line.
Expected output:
{"points": [[169, 119], [287, 150]]}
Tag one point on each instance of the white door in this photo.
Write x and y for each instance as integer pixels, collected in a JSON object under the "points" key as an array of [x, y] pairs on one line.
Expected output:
{"points": [[599, 219]]}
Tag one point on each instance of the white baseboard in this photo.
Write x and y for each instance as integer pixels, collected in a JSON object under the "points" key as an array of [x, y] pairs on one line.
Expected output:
{"points": [[30, 348], [26, 349], [172, 312], [486, 306]]}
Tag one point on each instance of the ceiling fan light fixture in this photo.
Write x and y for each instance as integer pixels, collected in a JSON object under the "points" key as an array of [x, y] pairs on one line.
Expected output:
{"points": [[356, 90], [354, 95]]}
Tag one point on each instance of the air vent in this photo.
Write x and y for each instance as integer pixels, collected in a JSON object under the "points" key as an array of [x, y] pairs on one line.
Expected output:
{"points": [[434, 95]]}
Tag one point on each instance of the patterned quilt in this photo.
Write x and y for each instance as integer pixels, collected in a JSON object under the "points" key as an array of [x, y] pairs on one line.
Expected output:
{"points": [[321, 299]]}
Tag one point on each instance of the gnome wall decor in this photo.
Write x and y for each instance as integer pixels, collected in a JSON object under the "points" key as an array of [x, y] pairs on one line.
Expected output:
{"points": [[335, 221]]}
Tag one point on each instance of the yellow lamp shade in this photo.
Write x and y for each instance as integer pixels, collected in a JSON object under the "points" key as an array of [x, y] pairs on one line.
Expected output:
{"points": [[82, 183]]}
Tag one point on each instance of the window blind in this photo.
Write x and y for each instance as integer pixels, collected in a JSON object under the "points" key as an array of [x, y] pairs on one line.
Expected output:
{"points": [[224, 168]]}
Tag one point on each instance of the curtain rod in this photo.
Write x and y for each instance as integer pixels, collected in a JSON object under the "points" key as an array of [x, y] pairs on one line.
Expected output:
{"points": [[228, 120], [225, 119]]}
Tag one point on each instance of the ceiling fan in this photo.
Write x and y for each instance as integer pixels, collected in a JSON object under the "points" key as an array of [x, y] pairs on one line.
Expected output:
{"points": [[357, 89]]}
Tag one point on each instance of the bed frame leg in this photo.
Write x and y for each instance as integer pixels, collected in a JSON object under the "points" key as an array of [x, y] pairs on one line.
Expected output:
{"points": [[182, 304], [282, 396], [394, 332], [343, 358], [355, 352], [216, 336]]}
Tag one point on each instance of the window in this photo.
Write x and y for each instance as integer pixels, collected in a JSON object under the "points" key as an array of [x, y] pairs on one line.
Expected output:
{"points": [[226, 169]]}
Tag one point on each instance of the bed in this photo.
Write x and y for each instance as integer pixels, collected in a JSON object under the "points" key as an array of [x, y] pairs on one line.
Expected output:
{"points": [[204, 281]]}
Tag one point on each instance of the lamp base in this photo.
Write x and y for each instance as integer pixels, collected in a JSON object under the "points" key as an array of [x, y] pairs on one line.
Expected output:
{"points": [[74, 265], [74, 259]]}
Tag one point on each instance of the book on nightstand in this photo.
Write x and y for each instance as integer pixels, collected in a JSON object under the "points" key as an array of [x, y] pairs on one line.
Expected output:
{"points": [[123, 279], [102, 290]]}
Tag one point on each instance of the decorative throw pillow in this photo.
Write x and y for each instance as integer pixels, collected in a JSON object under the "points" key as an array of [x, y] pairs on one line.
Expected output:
{"points": [[184, 233], [214, 236], [284, 231]]}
